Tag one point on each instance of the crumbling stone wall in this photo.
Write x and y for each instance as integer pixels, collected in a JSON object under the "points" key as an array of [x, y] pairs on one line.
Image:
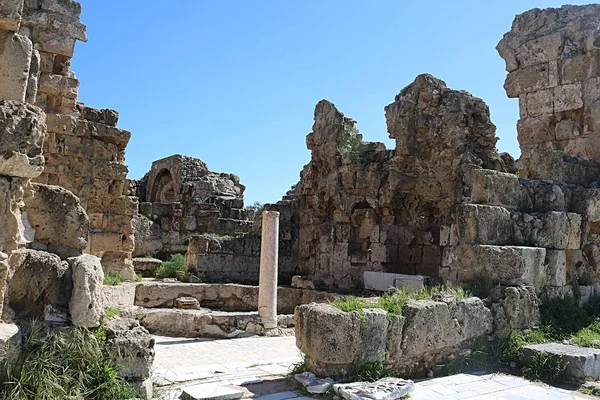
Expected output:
{"points": [[181, 197], [84, 150], [554, 70], [363, 207]]}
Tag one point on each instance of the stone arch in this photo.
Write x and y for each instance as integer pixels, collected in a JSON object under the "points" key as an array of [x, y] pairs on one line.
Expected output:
{"points": [[163, 188]]}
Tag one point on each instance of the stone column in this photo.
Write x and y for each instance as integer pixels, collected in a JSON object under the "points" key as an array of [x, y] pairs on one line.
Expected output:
{"points": [[269, 254]]}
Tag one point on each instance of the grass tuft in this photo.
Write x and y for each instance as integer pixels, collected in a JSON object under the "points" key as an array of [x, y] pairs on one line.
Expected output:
{"points": [[113, 278], [60, 364], [173, 268]]}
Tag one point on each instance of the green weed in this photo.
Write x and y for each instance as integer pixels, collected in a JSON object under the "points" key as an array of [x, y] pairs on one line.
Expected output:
{"points": [[546, 368], [172, 268], [112, 312], [113, 278]]}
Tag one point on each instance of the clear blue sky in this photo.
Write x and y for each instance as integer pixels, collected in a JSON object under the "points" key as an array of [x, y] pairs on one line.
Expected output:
{"points": [[235, 83]]}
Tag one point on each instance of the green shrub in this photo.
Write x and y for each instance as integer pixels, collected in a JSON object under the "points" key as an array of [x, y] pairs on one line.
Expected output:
{"points": [[112, 312], [172, 268], [60, 364], [113, 278], [546, 368]]}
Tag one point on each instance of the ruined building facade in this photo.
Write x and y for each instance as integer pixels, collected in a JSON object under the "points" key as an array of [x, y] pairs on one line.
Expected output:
{"points": [[84, 151]]}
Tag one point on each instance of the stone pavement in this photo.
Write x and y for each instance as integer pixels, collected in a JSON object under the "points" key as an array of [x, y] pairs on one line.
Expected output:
{"points": [[259, 367]]}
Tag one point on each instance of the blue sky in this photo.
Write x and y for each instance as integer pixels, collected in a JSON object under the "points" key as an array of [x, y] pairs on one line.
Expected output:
{"points": [[235, 83]]}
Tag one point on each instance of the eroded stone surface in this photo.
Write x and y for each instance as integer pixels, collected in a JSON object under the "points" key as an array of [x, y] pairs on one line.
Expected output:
{"points": [[86, 303], [130, 346]]}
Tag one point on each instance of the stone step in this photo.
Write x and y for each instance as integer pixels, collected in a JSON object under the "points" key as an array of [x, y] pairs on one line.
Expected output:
{"points": [[205, 323], [582, 363], [496, 225], [146, 264], [507, 265], [498, 189]]}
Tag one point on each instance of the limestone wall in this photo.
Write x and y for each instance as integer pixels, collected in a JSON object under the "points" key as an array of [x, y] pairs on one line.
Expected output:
{"points": [[362, 207], [84, 150], [554, 70]]}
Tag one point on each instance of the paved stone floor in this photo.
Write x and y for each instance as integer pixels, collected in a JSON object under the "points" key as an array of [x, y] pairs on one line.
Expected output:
{"points": [[259, 367]]}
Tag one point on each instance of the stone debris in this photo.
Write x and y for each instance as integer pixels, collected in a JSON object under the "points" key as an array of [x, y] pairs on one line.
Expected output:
{"points": [[383, 389], [187, 303], [313, 384], [210, 391], [86, 305]]}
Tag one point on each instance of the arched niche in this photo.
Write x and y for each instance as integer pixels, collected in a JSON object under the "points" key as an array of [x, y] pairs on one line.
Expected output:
{"points": [[163, 188]]}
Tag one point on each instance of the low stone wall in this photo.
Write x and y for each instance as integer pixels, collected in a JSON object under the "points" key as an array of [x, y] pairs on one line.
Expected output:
{"points": [[426, 334], [224, 297]]}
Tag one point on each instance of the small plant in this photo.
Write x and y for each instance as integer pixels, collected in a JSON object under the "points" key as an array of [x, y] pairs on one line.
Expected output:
{"points": [[301, 366], [173, 268], [350, 143], [479, 286], [112, 312], [113, 278], [542, 240], [546, 368], [137, 277], [371, 371]]}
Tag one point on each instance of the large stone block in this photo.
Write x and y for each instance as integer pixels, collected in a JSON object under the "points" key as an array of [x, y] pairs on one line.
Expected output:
{"points": [[22, 130], [540, 50], [61, 225], [498, 189], [86, 305], [374, 335], [509, 265], [514, 308], [483, 224], [15, 60], [474, 318], [582, 363], [429, 328], [327, 334], [556, 260], [587, 203], [130, 346], [40, 279], [560, 231], [527, 79]]}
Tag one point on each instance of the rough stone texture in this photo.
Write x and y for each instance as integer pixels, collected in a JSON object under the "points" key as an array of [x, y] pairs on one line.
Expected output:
{"points": [[10, 15], [582, 363], [363, 207], [551, 57], [60, 223], [497, 188], [86, 304], [22, 129], [16, 52], [510, 265], [130, 346], [327, 334], [428, 332], [39, 279], [514, 308], [226, 297], [179, 198]]}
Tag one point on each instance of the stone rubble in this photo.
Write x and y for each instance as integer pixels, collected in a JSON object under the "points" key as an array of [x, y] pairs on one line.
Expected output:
{"points": [[383, 389]]}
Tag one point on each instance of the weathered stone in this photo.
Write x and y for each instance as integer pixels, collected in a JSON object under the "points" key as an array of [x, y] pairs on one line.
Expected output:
{"points": [[374, 335], [22, 129], [560, 231], [327, 334], [15, 59], [10, 15], [59, 221], [130, 346], [383, 281], [187, 303], [474, 318], [496, 188], [581, 363], [557, 267], [39, 279], [483, 224], [86, 304], [510, 265], [514, 308], [394, 337]]}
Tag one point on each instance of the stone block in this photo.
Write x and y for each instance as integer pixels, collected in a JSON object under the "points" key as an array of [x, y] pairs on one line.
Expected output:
{"points": [[540, 102], [10, 15], [211, 391], [86, 305], [394, 337], [567, 129], [428, 328], [556, 261], [568, 97], [509, 265], [527, 79], [540, 50], [374, 335], [473, 317], [536, 129], [15, 61], [587, 203], [560, 231], [59, 221], [64, 7], [498, 189], [483, 224], [514, 308], [115, 261], [130, 346], [582, 363], [384, 281], [328, 335], [111, 241]]}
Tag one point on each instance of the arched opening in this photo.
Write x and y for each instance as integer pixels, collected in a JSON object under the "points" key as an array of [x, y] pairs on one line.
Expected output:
{"points": [[163, 189]]}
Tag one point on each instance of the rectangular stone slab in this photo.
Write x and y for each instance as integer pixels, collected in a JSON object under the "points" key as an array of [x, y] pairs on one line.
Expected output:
{"points": [[583, 363], [210, 391]]}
